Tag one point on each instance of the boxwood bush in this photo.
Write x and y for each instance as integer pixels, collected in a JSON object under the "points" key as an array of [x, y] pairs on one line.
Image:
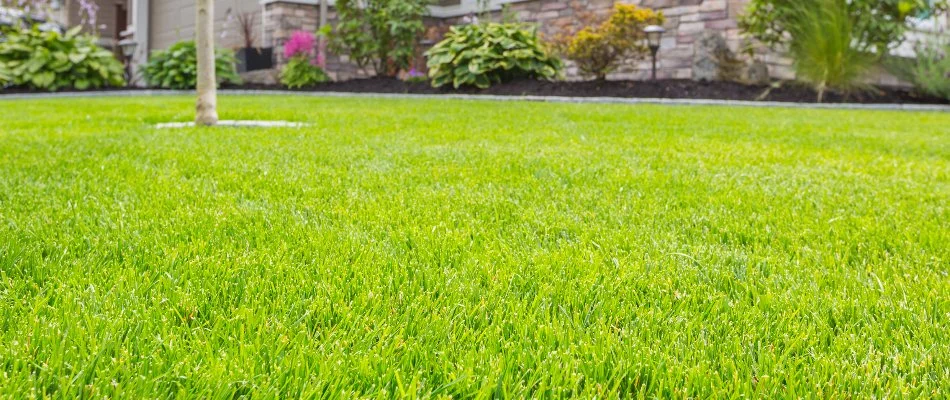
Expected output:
{"points": [[39, 60], [484, 54], [177, 67]]}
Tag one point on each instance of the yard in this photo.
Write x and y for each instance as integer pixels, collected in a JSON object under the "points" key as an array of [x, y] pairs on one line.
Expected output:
{"points": [[448, 248]]}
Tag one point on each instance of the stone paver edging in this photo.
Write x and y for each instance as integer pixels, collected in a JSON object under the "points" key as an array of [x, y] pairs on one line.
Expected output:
{"points": [[550, 99]]}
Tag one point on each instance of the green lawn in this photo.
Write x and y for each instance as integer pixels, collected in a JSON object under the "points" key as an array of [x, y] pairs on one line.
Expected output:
{"points": [[426, 248]]}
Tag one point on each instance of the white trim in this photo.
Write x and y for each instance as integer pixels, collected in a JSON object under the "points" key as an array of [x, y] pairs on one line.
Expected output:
{"points": [[141, 23], [466, 7]]}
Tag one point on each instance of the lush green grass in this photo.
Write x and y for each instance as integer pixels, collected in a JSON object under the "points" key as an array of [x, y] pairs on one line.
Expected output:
{"points": [[472, 249]]}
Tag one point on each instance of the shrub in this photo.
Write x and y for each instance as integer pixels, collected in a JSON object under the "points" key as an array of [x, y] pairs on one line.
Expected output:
{"points": [[931, 72], [6, 76], [301, 70], [825, 51], [483, 54], [876, 24], [380, 33], [177, 67], [598, 50], [51, 61]]}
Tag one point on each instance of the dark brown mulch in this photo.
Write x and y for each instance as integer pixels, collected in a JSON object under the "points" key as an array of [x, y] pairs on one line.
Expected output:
{"points": [[665, 89]]}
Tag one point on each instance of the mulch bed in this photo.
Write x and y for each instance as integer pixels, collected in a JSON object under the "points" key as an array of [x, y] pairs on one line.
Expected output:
{"points": [[664, 89]]}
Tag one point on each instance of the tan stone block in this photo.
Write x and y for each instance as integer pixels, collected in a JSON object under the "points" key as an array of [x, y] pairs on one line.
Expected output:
{"points": [[689, 17], [712, 16], [722, 24], [712, 5], [686, 39], [683, 10], [553, 5], [690, 27]]}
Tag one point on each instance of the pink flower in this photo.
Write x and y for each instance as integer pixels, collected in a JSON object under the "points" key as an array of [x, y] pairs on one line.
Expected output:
{"points": [[300, 42]]}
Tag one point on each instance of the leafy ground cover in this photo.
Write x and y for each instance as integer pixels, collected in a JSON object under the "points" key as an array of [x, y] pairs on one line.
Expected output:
{"points": [[433, 248]]}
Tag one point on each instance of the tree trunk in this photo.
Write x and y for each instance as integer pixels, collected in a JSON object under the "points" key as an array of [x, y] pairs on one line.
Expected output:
{"points": [[207, 113]]}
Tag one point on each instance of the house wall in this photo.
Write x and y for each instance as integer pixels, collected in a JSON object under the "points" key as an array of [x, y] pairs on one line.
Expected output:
{"points": [[174, 20], [688, 22], [105, 19], [284, 18]]}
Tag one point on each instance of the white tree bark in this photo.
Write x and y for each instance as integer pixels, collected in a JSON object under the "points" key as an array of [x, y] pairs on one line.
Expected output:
{"points": [[207, 113]]}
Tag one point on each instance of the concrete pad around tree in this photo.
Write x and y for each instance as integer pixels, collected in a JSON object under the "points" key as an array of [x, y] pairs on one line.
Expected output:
{"points": [[237, 124]]}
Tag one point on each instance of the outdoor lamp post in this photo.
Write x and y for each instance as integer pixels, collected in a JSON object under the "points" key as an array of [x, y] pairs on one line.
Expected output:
{"points": [[654, 34], [128, 49]]}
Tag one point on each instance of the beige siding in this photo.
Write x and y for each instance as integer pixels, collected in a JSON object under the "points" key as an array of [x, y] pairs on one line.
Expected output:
{"points": [[174, 20], [105, 18]]}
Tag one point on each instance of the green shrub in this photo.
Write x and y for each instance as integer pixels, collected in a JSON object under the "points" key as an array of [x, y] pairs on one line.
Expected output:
{"points": [[598, 50], [6, 75], [177, 67], [825, 51], [876, 24], [931, 72], [51, 61], [483, 54], [300, 72], [380, 33]]}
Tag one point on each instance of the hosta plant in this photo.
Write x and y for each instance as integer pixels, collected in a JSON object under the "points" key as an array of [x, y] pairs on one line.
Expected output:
{"points": [[177, 67], [484, 54], [48, 60]]}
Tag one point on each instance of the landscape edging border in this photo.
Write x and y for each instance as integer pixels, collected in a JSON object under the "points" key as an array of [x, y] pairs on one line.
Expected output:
{"points": [[549, 99]]}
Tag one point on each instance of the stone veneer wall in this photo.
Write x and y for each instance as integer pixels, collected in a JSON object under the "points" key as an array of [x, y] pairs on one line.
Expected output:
{"points": [[686, 22], [283, 18]]}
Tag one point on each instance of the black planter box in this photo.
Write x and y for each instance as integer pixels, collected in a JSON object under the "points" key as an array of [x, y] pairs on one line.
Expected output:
{"points": [[255, 58]]}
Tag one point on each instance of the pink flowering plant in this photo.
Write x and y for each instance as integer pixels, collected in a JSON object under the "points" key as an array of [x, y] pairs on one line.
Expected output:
{"points": [[302, 68], [301, 43]]}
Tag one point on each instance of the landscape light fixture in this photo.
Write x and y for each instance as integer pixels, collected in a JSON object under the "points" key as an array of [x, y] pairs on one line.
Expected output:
{"points": [[127, 46], [654, 34]]}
